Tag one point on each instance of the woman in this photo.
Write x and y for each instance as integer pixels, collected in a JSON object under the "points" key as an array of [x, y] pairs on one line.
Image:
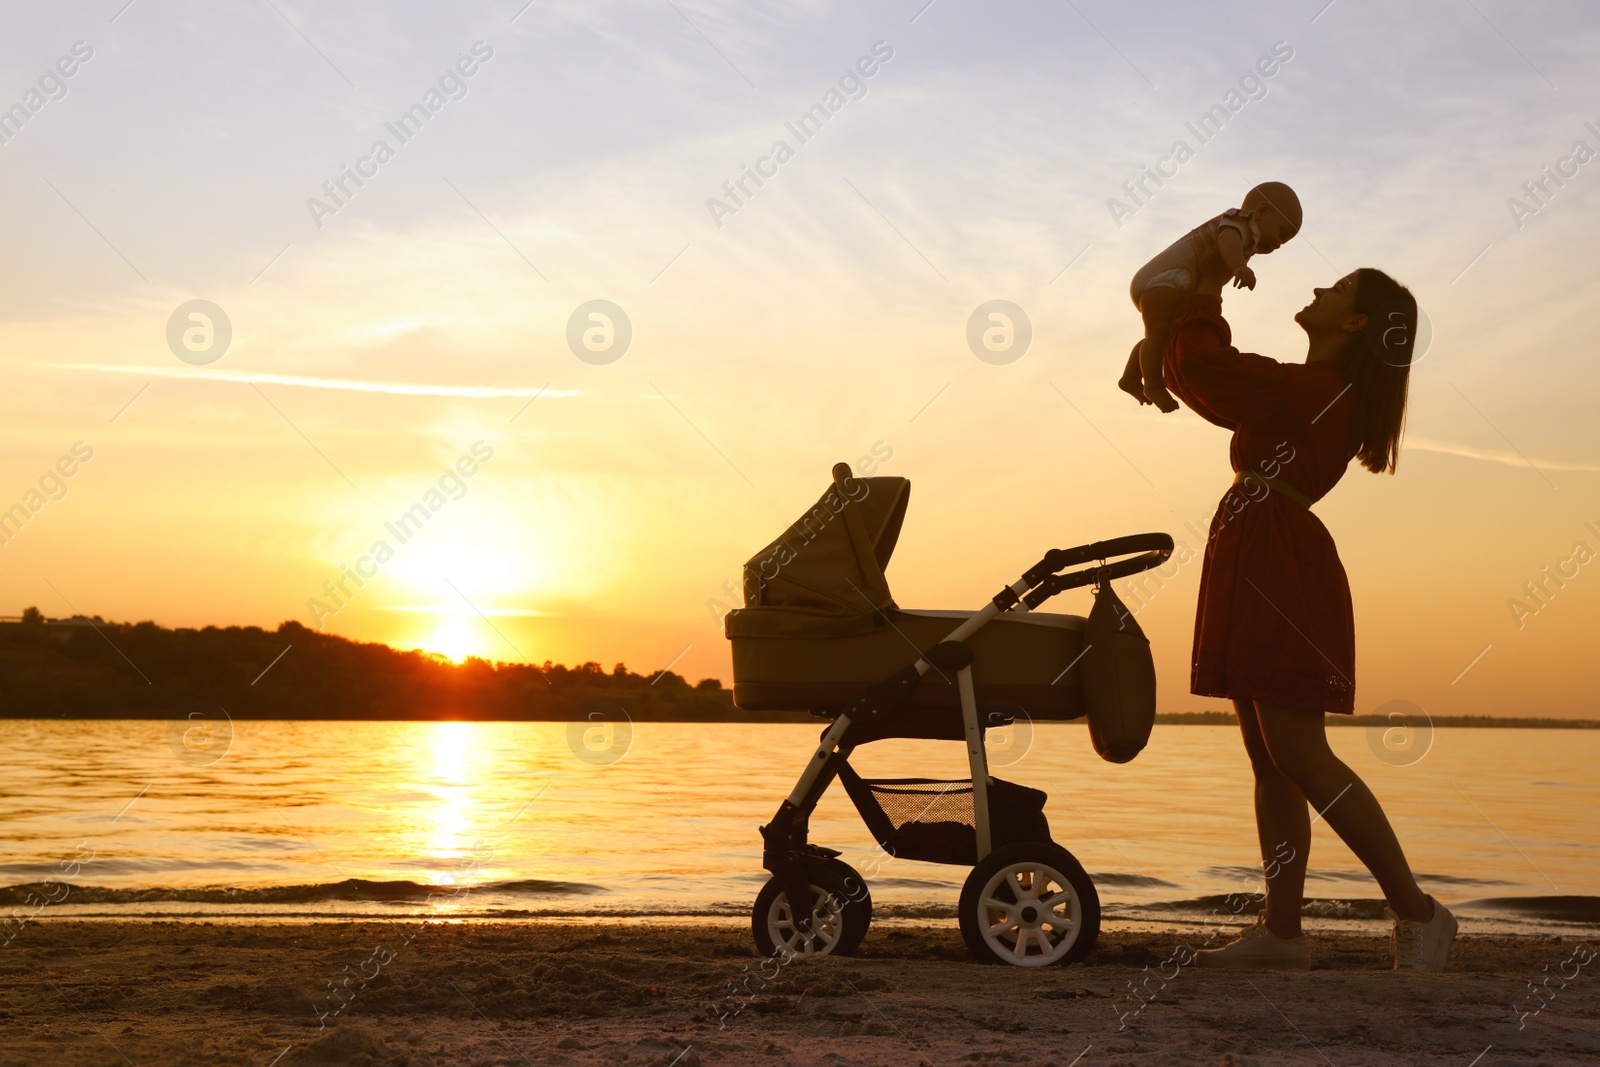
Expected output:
{"points": [[1275, 631]]}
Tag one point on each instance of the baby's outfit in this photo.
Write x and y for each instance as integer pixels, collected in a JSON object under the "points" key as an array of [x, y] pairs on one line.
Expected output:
{"points": [[1178, 266]]}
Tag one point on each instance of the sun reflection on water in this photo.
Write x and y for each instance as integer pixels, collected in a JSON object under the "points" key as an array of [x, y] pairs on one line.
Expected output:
{"points": [[454, 766]]}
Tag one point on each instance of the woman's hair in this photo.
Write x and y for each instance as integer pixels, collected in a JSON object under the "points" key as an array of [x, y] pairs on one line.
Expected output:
{"points": [[1377, 364]]}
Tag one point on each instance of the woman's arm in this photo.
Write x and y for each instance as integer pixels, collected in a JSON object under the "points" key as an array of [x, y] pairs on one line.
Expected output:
{"points": [[1219, 383]]}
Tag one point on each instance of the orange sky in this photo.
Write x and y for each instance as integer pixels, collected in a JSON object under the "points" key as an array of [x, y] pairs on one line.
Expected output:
{"points": [[371, 353]]}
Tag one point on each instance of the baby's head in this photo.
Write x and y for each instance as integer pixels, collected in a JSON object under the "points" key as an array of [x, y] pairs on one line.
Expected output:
{"points": [[1277, 213]]}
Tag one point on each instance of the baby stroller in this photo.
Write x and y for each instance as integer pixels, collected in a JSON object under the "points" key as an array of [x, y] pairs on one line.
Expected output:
{"points": [[819, 631]]}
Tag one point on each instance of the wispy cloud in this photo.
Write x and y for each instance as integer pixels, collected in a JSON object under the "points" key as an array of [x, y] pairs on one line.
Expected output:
{"points": [[1510, 459], [349, 385]]}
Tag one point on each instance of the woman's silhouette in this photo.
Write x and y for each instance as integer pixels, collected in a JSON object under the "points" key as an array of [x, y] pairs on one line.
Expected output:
{"points": [[1275, 631]]}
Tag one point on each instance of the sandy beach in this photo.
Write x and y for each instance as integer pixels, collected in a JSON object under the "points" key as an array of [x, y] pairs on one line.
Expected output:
{"points": [[632, 991]]}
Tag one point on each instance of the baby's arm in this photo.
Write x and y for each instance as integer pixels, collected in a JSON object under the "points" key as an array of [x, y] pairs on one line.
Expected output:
{"points": [[1230, 246]]}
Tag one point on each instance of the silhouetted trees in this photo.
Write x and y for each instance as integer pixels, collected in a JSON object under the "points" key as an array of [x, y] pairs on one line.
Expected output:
{"points": [[90, 668]]}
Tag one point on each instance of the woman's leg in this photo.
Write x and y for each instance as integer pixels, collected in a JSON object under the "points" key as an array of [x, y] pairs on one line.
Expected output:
{"points": [[1283, 826], [1299, 749]]}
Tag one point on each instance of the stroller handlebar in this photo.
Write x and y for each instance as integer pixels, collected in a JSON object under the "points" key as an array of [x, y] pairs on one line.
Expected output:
{"points": [[1044, 580]]}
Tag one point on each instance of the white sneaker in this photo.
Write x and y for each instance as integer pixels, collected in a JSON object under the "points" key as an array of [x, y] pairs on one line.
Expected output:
{"points": [[1423, 946], [1258, 949]]}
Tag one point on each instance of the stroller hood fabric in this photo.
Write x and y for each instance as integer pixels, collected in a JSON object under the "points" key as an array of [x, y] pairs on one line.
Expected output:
{"points": [[826, 573]]}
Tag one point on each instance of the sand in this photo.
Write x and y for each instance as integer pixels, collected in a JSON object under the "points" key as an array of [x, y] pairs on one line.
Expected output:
{"points": [[637, 992]]}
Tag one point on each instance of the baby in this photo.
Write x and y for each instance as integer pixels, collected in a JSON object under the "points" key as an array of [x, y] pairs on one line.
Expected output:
{"points": [[1269, 216]]}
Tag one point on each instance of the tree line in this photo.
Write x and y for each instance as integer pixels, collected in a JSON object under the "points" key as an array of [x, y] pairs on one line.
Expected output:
{"points": [[90, 668]]}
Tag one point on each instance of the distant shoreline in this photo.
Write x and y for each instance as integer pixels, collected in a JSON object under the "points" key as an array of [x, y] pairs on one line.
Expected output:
{"points": [[89, 668]]}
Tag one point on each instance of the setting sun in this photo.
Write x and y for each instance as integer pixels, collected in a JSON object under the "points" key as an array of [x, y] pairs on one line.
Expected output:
{"points": [[455, 638]]}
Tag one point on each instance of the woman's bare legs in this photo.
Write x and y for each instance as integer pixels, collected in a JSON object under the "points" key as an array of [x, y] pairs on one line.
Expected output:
{"points": [[1282, 824], [1297, 745]]}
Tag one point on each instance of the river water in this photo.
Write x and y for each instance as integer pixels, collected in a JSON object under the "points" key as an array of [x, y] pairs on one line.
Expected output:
{"points": [[484, 820]]}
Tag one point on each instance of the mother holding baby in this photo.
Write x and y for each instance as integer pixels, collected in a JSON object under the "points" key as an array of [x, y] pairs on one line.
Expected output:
{"points": [[1275, 631]]}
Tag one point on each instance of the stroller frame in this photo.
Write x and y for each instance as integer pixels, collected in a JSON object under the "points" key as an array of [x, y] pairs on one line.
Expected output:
{"points": [[786, 849]]}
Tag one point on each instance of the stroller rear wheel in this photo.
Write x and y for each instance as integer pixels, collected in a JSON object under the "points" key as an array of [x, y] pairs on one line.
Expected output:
{"points": [[841, 910], [1030, 905]]}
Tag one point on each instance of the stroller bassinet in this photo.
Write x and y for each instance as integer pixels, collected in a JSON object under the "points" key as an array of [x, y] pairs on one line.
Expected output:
{"points": [[820, 631], [819, 626]]}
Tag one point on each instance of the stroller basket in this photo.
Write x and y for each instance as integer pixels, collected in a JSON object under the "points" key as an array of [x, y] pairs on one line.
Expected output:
{"points": [[932, 820]]}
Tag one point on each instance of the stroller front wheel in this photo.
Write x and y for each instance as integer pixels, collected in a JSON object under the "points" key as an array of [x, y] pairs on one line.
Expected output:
{"points": [[841, 910], [1029, 904]]}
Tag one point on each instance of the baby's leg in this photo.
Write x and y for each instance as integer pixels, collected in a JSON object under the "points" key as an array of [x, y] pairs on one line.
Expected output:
{"points": [[1131, 382], [1160, 309]]}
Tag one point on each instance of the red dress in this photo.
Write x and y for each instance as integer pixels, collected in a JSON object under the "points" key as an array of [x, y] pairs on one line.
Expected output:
{"points": [[1274, 623]]}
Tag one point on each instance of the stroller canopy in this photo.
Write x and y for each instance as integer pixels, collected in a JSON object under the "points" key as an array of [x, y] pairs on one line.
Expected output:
{"points": [[825, 574]]}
